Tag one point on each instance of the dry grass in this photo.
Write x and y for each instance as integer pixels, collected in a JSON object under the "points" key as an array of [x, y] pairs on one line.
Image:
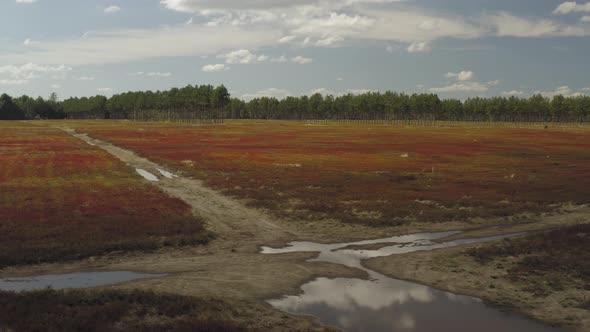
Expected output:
{"points": [[545, 262]]}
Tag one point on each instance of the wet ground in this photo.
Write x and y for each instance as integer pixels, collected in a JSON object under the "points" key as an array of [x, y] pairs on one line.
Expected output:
{"points": [[378, 303], [147, 175], [71, 280], [385, 304]]}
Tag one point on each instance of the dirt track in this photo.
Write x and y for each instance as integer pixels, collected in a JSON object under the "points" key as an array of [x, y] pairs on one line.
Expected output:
{"points": [[230, 265], [228, 218]]}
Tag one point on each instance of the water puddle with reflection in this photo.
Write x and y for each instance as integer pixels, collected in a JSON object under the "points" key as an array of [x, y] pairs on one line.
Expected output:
{"points": [[147, 175], [167, 174], [385, 304], [71, 280]]}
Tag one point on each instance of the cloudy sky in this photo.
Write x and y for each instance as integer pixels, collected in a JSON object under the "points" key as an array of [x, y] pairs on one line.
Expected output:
{"points": [[455, 48]]}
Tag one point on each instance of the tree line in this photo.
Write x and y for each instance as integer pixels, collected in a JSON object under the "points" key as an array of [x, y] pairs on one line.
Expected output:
{"points": [[209, 102], [28, 108], [401, 106], [203, 102]]}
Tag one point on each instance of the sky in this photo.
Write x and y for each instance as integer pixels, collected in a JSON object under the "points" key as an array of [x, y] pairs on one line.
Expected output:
{"points": [[454, 48]]}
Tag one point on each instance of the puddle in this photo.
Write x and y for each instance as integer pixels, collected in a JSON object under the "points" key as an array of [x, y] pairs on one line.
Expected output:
{"points": [[167, 174], [71, 280], [385, 304], [147, 175]]}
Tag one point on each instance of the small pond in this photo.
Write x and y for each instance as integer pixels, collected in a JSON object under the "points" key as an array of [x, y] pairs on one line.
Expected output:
{"points": [[385, 304]]}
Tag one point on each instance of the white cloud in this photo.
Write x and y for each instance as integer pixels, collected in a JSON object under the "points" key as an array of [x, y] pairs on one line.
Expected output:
{"points": [[461, 76], [569, 7], [419, 47], [104, 90], [55, 86], [327, 20], [331, 24], [287, 39], [15, 74], [326, 92], [25, 1], [112, 9], [392, 48], [86, 78], [508, 25], [105, 47], [462, 87], [301, 60], [255, 24], [281, 59], [347, 295], [194, 6], [428, 25], [465, 87], [270, 92], [586, 89], [30, 42], [214, 68], [564, 90], [159, 74], [329, 41], [243, 56], [4, 81], [252, 24], [515, 93], [585, 19], [358, 91]]}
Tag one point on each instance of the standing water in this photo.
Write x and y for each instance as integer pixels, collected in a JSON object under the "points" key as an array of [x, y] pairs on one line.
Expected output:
{"points": [[147, 175], [71, 280], [385, 304]]}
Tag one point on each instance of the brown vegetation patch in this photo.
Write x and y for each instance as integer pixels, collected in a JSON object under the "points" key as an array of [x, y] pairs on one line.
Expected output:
{"points": [[109, 310], [545, 262]]}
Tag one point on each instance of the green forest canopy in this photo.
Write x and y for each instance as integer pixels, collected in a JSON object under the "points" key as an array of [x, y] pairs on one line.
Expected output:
{"points": [[208, 100]]}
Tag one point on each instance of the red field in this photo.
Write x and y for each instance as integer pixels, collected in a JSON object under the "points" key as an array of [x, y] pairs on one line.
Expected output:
{"points": [[62, 199], [377, 175]]}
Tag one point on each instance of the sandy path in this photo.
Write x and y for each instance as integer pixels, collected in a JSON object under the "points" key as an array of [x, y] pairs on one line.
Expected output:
{"points": [[225, 216]]}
